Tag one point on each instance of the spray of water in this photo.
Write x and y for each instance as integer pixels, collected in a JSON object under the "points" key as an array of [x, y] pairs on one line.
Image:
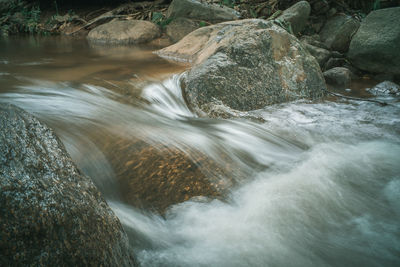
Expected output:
{"points": [[326, 194]]}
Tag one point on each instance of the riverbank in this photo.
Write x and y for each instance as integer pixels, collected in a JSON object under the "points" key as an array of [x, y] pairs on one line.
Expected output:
{"points": [[63, 17]]}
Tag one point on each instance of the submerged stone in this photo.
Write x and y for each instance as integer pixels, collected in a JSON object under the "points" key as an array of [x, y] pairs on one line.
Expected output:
{"points": [[155, 177], [51, 214]]}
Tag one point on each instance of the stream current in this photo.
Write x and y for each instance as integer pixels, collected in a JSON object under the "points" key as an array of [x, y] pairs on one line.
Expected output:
{"points": [[315, 184]]}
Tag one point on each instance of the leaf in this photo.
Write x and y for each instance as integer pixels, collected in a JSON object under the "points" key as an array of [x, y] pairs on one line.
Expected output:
{"points": [[165, 22], [253, 13], [156, 17], [228, 3]]}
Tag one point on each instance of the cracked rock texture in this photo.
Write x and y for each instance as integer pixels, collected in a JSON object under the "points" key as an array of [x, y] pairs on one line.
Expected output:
{"points": [[51, 214], [245, 65]]}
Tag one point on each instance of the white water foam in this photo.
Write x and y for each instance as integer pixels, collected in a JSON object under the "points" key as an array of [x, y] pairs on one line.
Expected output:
{"points": [[328, 196]]}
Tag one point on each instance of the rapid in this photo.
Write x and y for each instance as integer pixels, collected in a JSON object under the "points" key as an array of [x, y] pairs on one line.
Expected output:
{"points": [[315, 183]]}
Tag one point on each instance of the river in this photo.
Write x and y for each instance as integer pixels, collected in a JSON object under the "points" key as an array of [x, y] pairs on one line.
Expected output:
{"points": [[312, 184]]}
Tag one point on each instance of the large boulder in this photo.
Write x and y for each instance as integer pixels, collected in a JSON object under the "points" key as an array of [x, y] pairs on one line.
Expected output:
{"points": [[376, 45], [338, 30], [51, 214], [199, 10], [245, 65], [125, 32], [297, 15]]}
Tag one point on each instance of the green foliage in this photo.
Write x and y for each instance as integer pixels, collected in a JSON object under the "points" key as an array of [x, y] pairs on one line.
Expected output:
{"points": [[15, 6], [20, 17], [56, 6], [253, 13], [4, 29], [202, 24], [229, 3], [284, 24], [71, 14], [32, 18], [159, 19]]}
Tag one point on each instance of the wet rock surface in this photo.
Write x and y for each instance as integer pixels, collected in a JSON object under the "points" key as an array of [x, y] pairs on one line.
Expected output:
{"points": [[124, 32], [339, 76], [51, 214], [198, 10], [246, 65], [155, 177], [375, 47], [385, 88]]}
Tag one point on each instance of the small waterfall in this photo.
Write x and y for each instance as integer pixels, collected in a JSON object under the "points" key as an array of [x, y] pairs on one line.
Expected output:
{"points": [[315, 184]]}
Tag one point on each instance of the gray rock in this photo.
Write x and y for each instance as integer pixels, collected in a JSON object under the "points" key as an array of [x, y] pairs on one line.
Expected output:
{"points": [[337, 32], [297, 15], [198, 10], [317, 26], [335, 62], [386, 88], [337, 54], [376, 45], [338, 76], [313, 40], [320, 7], [320, 54], [245, 65], [51, 214], [181, 27], [124, 32]]}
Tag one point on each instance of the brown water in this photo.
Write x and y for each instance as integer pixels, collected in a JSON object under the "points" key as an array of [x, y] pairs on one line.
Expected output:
{"points": [[313, 184], [61, 59]]}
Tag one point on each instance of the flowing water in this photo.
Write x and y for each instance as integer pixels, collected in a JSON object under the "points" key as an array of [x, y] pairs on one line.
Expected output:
{"points": [[314, 184]]}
